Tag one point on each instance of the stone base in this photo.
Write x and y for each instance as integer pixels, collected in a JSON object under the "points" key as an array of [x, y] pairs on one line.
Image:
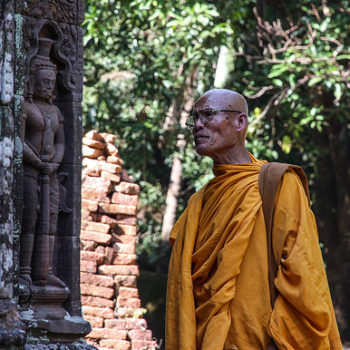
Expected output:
{"points": [[75, 346]]}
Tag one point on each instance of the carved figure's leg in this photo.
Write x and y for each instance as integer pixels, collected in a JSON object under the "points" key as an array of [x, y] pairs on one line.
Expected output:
{"points": [[29, 220], [54, 207]]}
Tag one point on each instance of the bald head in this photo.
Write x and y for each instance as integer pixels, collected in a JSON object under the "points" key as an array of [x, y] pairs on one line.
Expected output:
{"points": [[227, 99]]}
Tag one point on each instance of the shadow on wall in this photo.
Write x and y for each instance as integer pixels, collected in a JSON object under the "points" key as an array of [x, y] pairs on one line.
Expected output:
{"points": [[152, 289]]}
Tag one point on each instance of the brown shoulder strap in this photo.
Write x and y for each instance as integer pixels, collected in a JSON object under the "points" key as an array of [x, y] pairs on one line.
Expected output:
{"points": [[268, 181]]}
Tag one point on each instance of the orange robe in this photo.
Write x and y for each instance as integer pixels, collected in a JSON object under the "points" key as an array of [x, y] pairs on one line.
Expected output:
{"points": [[218, 292]]}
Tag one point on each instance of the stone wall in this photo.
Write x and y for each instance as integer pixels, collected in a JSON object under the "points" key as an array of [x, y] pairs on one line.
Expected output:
{"points": [[109, 271]]}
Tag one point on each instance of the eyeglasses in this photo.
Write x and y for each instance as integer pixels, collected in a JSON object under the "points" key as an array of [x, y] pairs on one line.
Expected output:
{"points": [[205, 116]]}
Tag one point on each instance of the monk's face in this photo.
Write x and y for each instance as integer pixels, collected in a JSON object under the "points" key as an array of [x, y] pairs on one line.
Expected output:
{"points": [[215, 136]]}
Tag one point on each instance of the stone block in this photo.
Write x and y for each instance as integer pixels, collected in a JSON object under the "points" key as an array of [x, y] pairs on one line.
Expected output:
{"points": [[122, 198], [140, 334], [104, 312], [124, 259], [127, 281], [97, 184], [91, 152], [136, 323], [113, 270], [138, 344], [124, 239], [93, 143], [111, 168], [114, 160], [88, 266], [94, 135], [97, 302], [126, 219], [106, 333], [105, 219], [115, 344], [96, 322], [92, 256], [116, 324], [108, 176], [97, 237], [105, 208], [112, 150], [127, 188], [87, 245], [129, 230], [95, 227], [129, 302], [89, 205], [96, 280], [96, 291], [94, 172], [127, 292], [124, 248]]}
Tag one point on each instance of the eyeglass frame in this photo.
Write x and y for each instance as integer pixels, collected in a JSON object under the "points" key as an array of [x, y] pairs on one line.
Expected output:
{"points": [[207, 118]]}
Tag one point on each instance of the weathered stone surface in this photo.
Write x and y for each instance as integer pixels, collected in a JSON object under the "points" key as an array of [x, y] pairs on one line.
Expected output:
{"points": [[93, 143], [91, 152], [127, 281], [129, 302], [105, 208], [124, 248], [96, 322], [138, 344], [127, 188], [95, 227], [96, 291], [109, 176], [92, 256], [98, 311], [96, 237], [97, 302], [97, 280], [126, 219], [128, 230], [94, 135], [140, 334], [122, 198], [88, 266], [106, 333], [124, 239], [116, 344], [127, 292], [97, 184], [89, 205], [124, 259], [116, 324], [114, 270]]}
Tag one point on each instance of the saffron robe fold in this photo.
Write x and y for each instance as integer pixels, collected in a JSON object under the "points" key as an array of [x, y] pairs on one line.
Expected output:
{"points": [[218, 293]]}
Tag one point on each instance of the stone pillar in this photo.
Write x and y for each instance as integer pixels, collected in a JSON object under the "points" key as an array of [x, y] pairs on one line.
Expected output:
{"points": [[45, 315]]}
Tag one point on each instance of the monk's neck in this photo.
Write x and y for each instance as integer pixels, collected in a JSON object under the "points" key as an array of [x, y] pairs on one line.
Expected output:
{"points": [[233, 156]]}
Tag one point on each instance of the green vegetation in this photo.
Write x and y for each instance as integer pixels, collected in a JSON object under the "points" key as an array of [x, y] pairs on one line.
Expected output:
{"points": [[147, 62]]}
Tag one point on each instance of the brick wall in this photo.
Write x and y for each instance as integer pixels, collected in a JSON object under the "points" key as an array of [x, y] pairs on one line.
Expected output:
{"points": [[110, 297]]}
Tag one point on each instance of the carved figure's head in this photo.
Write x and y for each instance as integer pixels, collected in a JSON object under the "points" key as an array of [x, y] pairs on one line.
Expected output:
{"points": [[43, 72]]}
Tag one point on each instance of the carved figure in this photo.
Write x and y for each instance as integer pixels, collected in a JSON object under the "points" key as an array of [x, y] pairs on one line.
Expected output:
{"points": [[43, 149]]}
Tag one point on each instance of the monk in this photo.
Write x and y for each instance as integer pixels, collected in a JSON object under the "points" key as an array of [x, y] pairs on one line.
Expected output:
{"points": [[218, 291]]}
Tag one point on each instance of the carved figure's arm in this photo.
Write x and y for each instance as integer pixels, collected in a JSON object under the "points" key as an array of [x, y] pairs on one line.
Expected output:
{"points": [[59, 141]]}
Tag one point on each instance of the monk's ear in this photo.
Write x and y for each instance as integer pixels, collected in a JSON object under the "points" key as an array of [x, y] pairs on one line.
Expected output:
{"points": [[241, 122]]}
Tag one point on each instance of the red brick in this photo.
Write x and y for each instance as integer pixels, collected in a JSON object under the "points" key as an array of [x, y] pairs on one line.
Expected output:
{"points": [[127, 281], [116, 323], [129, 230], [96, 280], [94, 195], [114, 160], [105, 208], [112, 150], [96, 322], [92, 256], [89, 205], [109, 176], [94, 172], [124, 259], [140, 334], [127, 188], [126, 219], [91, 163], [91, 152], [124, 239], [97, 302], [143, 344], [88, 266], [119, 270], [115, 344], [106, 333], [96, 236], [104, 312], [122, 198], [97, 184], [111, 168], [127, 292], [95, 227], [124, 312], [93, 143], [96, 291], [106, 219], [136, 323], [124, 248], [87, 245], [94, 135], [129, 302]]}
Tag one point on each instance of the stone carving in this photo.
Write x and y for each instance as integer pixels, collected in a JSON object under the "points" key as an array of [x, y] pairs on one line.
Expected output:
{"points": [[70, 11], [43, 149]]}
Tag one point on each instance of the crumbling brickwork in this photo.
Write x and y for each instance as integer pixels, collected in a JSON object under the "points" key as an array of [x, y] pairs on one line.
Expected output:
{"points": [[109, 271]]}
